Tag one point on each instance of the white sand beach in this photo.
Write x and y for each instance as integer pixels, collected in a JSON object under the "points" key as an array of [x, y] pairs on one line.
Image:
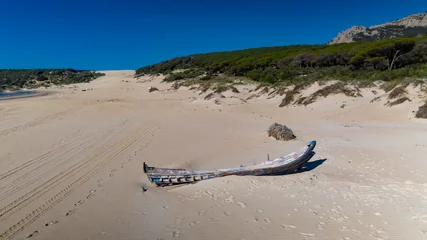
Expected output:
{"points": [[71, 165]]}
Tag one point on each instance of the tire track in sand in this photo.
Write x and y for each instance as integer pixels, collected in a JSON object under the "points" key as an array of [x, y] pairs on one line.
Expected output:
{"points": [[116, 150], [24, 200], [39, 121], [46, 156], [24, 180], [42, 120]]}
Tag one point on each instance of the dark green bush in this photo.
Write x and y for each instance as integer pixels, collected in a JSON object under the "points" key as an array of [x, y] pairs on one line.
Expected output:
{"points": [[387, 60]]}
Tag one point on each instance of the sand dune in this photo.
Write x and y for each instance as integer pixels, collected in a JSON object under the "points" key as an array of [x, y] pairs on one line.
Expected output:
{"points": [[71, 165]]}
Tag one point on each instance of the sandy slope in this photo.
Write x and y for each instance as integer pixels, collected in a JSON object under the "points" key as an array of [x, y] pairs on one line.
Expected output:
{"points": [[71, 166]]}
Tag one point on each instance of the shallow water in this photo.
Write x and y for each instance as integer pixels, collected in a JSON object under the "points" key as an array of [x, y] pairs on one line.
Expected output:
{"points": [[16, 94]]}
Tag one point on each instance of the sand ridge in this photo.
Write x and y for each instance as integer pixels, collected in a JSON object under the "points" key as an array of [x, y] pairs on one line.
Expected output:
{"points": [[71, 165]]}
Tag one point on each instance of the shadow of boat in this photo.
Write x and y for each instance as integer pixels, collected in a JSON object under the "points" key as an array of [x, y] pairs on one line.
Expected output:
{"points": [[312, 165]]}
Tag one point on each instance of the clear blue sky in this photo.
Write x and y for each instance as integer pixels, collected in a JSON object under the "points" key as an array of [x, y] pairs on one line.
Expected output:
{"points": [[125, 34]]}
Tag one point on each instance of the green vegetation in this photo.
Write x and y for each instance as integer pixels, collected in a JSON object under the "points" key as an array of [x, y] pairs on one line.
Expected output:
{"points": [[390, 59], [17, 79], [189, 73]]}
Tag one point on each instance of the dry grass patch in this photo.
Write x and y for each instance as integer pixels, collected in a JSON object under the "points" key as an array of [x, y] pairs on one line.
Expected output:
{"points": [[336, 88], [214, 95], [289, 98], [290, 94], [397, 92], [398, 101], [376, 99], [364, 84], [152, 89], [422, 111], [224, 88]]}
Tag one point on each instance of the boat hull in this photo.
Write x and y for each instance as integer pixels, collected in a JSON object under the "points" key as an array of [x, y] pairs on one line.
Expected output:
{"points": [[280, 166]]}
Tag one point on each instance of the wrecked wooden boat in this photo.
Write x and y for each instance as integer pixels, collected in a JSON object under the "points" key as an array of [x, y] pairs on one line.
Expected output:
{"points": [[290, 163]]}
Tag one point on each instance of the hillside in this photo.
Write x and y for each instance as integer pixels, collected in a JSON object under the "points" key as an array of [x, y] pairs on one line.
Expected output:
{"points": [[379, 60], [33, 78], [412, 26]]}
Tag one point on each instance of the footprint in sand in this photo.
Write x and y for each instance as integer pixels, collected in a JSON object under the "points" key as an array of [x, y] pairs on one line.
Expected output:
{"points": [[267, 220], [229, 200], [241, 204], [78, 203], [194, 223], [35, 233], [227, 214], [201, 213], [214, 197], [70, 212], [308, 234], [288, 227], [100, 181], [91, 193], [51, 223], [176, 233]]}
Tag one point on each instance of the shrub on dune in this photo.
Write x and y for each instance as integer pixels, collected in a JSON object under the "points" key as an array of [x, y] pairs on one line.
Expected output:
{"points": [[422, 111]]}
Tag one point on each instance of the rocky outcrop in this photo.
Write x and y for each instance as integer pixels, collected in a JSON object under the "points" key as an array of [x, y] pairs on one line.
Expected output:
{"points": [[412, 26]]}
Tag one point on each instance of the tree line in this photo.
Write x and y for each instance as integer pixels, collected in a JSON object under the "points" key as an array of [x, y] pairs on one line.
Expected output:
{"points": [[387, 59], [13, 79]]}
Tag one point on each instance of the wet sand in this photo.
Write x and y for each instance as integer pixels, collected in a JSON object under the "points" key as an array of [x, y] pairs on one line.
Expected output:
{"points": [[71, 166], [13, 95]]}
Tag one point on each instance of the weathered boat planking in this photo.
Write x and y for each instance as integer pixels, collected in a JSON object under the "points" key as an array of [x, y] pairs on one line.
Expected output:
{"points": [[284, 165]]}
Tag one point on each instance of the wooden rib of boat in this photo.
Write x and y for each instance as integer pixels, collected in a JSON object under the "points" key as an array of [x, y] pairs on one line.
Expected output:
{"points": [[283, 165]]}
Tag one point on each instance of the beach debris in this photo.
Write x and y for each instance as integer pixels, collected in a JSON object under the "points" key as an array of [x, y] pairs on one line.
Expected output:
{"points": [[352, 125], [144, 189], [290, 163], [152, 89], [280, 132]]}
